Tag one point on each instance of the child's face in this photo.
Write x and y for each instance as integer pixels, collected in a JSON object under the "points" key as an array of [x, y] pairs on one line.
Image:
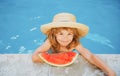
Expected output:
{"points": [[64, 37]]}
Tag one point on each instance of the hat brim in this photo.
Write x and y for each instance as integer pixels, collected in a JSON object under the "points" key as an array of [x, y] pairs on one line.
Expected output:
{"points": [[82, 29]]}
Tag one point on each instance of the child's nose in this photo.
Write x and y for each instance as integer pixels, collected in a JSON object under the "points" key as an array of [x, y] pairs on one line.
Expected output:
{"points": [[65, 37]]}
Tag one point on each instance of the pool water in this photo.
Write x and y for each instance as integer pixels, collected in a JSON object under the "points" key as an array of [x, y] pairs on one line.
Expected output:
{"points": [[20, 22]]}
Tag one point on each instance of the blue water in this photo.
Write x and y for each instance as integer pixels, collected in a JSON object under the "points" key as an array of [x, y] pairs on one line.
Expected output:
{"points": [[20, 21]]}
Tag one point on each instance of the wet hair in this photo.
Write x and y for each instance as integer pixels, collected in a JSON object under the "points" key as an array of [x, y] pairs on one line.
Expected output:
{"points": [[55, 46]]}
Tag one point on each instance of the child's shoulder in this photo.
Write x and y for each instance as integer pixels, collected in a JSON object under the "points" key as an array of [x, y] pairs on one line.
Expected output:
{"points": [[78, 46], [74, 48], [46, 43]]}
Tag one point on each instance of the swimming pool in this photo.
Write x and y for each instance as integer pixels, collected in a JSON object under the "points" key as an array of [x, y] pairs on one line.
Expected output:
{"points": [[20, 22]]}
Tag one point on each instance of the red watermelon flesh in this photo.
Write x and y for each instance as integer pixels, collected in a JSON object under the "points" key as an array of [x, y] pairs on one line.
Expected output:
{"points": [[59, 59]]}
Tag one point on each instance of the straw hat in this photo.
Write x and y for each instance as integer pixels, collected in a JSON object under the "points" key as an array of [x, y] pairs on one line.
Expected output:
{"points": [[65, 20]]}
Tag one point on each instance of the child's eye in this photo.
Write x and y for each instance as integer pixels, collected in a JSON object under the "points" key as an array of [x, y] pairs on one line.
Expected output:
{"points": [[60, 33], [70, 34]]}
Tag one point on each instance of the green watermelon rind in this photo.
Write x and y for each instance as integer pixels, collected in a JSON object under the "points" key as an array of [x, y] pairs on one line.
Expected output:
{"points": [[62, 65]]}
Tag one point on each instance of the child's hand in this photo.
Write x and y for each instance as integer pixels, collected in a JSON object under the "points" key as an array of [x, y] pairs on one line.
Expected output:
{"points": [[36, 58], [40, 60], [111, 73]]}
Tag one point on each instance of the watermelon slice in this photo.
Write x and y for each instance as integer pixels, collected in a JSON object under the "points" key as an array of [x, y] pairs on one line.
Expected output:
{"points": [[59, 59]]}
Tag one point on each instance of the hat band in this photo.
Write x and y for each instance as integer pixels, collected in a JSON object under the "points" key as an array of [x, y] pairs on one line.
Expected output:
{"points": [[64, 19]]}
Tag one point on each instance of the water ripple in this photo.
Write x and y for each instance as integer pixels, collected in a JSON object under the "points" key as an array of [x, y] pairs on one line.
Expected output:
{"points": [[101, 39]]}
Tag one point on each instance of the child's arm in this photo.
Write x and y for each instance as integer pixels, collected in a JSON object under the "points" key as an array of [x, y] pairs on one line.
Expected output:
{"points": [[44, 47], [95, 60]]}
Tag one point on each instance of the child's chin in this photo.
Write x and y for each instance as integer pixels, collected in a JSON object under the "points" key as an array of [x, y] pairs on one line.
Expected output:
{"points": [[64, 45]]}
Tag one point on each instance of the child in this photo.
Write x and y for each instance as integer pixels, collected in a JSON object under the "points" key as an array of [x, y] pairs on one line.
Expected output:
{"points": [[63, 35]]}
